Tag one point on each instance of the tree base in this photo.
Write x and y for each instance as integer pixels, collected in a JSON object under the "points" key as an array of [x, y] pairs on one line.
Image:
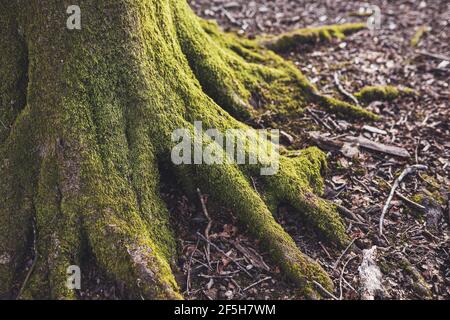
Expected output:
{"points": [[81, 150]]}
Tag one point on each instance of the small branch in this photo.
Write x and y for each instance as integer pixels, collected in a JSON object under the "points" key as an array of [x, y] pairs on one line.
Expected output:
{"points": [[407, 200], [188, 280], [379, 147], [1, 122], [315, 117], [344, 252], [325, 290], [349, 214], [256, 283], [206, 295], [342, 89], [208, 227], [397, 182], [342, 277], [433, 55]]}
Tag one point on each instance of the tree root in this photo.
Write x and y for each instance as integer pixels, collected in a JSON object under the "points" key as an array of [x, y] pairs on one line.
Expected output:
{"points": [[246, 79], [290, 40], [381, 93], [82, 156]]}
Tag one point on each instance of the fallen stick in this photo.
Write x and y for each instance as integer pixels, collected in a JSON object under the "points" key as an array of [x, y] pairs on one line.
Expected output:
{"points": [[325, 290], [343, 91], [341, 293], [374, 130], [344, 252], [208, 227], [325, 142], [336, 144], [256, 283], [433, 55], [188, 278], [397, 182], [379, 147], [407, 200], [346, 212]]}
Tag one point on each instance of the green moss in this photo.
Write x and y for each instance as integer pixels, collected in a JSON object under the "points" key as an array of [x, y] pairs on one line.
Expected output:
{"points": [[345, 109], [420, 286], [381, 93], [247, 79], [101, 104], [434, 189], [290, 40], [421, 31]]}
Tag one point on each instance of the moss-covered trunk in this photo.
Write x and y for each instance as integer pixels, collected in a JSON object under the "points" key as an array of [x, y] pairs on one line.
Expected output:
{"points": [[86, 115]]}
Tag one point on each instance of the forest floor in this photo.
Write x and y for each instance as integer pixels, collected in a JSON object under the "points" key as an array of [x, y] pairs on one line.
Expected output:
{"points": [[414, 252]]}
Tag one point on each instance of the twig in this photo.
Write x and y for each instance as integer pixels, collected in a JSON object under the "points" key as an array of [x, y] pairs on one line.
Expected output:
{"points": [[325, 250], [325, 290], [222, 252], [407, 200], [319, 120], [433, 55], [349, 285], [256, 283], [344, 252], [237, 285], [342, 276], [378, 147], [343, 91], [208, 227], [349, 214], [188, 280], [228, 276], [407, 171], [33, 265], [1, 122], [412, 203], [201, 264], [204, 292]]}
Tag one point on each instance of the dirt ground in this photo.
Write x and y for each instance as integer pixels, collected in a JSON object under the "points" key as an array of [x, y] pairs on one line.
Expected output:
{"points": [[414, 252]]}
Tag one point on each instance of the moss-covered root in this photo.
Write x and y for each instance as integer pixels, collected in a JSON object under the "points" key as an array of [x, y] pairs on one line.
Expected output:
{"points": [[344, 109], [82, 157], [420, 286], [381, 93], [56, 241], [247, 79], [311, 35], [105, 213], [295, 184], [228, 186]]}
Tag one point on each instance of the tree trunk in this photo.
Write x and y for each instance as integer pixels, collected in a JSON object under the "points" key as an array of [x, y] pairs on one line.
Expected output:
{"points": [[86, 117]]}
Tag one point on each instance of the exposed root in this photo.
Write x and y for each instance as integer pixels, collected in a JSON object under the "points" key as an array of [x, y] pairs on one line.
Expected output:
{"points": [[381, 93], [83, 156], [345, 109], [311, 35], [246, 79]]}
